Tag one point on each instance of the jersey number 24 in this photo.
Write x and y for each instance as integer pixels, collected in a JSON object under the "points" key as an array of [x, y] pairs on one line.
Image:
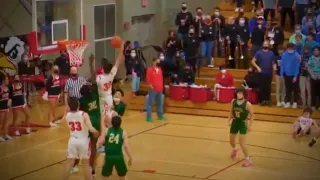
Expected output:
{"points": [[75, 126], [113, 139]]}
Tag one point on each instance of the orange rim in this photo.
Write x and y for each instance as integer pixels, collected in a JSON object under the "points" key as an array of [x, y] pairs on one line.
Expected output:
{"points": [[63, 44]]}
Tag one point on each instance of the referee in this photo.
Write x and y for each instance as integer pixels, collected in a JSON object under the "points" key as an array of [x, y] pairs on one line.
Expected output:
{"points": [[72, 90]]}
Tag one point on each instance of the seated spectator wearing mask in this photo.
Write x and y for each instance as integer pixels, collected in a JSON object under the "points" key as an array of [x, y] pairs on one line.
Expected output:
{"points": [[309, 27], [184, 19], [275, 36], [243, 32], [253, 22], [311, 42], [223, 79], [263, 62], [304, 80], [269, 7], [314, 71], [257, 36], [296, 32], [289, 69], [207, 38], [241, 16], [218, 18], [309, 15], [251, 80], [172, 45], [280, 85], [298, 47], [190, 48], [186, 75]]}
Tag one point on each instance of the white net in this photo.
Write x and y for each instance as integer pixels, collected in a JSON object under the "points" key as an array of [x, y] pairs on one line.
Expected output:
{"points": [[75, 51]]}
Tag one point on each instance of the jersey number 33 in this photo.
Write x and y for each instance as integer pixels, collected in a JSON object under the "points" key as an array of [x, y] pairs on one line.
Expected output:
{"points": [[75, 126]]}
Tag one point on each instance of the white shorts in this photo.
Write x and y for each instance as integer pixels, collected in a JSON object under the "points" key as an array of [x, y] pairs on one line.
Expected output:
{"points": [[106, 103], [79, 148]]}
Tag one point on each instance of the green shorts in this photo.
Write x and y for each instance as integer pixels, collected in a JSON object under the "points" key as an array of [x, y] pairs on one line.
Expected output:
{"points": [[114, 161], [96, 124], [238, 126]]}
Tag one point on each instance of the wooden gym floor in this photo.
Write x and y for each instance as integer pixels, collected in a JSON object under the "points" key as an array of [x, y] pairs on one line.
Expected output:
{"points": [[183, 147]]}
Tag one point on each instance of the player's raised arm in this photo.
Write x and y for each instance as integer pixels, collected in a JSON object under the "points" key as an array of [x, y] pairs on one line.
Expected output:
{"points": [[126, 146], [251, 113], [119, 59], [89, 125], [91, 64]]}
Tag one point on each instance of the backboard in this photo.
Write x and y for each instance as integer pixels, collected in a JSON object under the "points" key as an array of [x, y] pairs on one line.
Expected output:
{"points": [[53, 21]]}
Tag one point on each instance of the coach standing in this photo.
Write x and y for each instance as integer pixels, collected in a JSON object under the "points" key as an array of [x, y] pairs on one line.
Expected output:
{"points": [[155, 82]]}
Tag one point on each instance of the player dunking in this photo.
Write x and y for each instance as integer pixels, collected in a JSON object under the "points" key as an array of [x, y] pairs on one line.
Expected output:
{"points": [[104, 82], [114, 138], [238, 120], [79, 142]]}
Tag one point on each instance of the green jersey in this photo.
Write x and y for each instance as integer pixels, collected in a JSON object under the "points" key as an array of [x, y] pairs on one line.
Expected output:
{"points": [[120, 108], [91, 106], [240, 112], [114, 142]]}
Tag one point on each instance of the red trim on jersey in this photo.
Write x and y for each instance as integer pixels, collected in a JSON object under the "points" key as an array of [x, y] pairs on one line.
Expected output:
{"points": [[99, 71]]}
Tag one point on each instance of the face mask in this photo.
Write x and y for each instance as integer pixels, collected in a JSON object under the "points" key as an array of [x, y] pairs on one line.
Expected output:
{"points": [[56, 71], [271, 35], [184, 8], [223, 71], [272, 42], [216, 13], [241, 22], [116, 99], [74, 75], [161, 58], [259, 26], [133, 55], [298, 31], [290, 50]]}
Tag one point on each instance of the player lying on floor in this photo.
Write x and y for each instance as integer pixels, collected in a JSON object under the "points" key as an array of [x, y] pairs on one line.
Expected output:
{"points": [[303, 126]]}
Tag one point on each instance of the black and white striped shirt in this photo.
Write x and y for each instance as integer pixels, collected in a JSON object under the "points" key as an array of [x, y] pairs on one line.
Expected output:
{"points": [[73, 86]]}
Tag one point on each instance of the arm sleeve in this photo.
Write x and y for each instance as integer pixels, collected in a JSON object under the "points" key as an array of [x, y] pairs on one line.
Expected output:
{"points": [[177, 21], [297, 67], [66, 87], [49, 82]]}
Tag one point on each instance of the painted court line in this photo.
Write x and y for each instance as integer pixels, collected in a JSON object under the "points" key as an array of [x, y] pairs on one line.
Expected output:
{"points": [[49, 142]]}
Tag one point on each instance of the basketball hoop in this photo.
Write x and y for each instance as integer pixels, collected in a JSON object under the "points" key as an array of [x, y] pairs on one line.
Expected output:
{"points": [[75, 51]]}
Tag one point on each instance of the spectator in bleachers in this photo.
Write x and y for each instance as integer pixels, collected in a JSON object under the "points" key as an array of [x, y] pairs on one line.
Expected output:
{"points": [[137, 71], [256, 20], [314, 71], [311, 42], [190, 48], [263, 62], [309, 16], [198, 20], [223, 79], [231, 40], [304, 80], [309, 27], [221, 21], [289, 69], [276, 36], [126, 52], [257, 37], [63, 63], [280, 85], [155, 81], [286, 7], [185, 76], [296, 32], [241, 16], [172, 45], [299, 44], [300, 6], [243, 32], [207, 38], [184, 19], [251, 80], [239, 4], [269, 7]]}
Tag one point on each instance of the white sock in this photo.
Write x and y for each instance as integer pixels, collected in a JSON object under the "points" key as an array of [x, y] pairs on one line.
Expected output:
{"points": [[247, 158]]}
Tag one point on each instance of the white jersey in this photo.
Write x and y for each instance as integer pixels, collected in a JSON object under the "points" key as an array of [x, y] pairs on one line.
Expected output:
{"points": [[77, 126], [305, 122], [104, 82]]}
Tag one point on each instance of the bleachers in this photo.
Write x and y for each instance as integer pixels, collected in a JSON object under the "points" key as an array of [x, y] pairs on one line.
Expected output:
{"points": [[206, 77]]}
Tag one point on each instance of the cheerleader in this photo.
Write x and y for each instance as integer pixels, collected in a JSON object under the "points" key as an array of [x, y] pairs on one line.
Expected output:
{"points": [[54, 89], [4, 108], [18, 97]]}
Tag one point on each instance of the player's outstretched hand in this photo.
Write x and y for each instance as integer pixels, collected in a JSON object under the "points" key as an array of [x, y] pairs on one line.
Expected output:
{"points": [[101, 141]]}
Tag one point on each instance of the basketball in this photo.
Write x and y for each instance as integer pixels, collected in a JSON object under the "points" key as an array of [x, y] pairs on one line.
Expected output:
{"points": [[116, 42]]}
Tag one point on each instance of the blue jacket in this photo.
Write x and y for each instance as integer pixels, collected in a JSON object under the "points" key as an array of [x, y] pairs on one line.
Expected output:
{"points": [[311, 45], [290, 64], [253, 23]]}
